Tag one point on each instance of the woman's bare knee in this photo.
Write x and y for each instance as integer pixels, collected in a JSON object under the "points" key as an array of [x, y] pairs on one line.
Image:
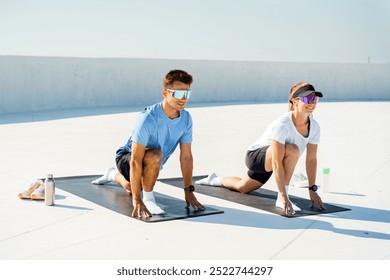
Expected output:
{"points": [[246, 185], [292, 150]]}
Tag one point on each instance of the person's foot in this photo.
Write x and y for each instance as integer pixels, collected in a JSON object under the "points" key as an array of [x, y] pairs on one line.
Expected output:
{"points": [[150, 203], [27, 193], [107, 177], [209, 180], [39, 193], [279, 203], [153, 208], [299, 180]]}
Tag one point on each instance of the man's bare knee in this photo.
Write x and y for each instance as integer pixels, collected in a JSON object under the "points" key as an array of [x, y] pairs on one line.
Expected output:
{"points": [[153, 156]]}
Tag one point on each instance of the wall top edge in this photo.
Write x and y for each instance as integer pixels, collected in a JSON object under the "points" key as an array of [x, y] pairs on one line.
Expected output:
{"points": [[181, 60]]}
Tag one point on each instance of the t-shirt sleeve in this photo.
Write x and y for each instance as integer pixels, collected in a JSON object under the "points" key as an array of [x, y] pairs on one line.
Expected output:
{"points": [[186, 138], [315, 138], [279, 133], [143, 129]]}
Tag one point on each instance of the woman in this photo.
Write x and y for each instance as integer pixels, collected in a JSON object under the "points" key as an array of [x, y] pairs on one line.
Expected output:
{"points": [[278, 150]]}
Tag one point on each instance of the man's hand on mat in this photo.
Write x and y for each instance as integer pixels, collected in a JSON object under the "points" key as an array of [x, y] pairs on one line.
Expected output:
{"points": [[315, 199], [140, 209], [191, 200]]}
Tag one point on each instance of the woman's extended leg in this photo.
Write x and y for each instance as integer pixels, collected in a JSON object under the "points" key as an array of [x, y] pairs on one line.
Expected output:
{"points": [[243, 185]]}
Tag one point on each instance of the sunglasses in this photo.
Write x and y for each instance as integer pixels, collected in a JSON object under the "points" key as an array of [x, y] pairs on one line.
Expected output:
{"points": [[179, 94], [309, 99]]}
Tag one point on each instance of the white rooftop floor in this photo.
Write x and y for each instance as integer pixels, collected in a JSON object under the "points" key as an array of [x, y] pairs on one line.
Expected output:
{"points": [[355, 146]]}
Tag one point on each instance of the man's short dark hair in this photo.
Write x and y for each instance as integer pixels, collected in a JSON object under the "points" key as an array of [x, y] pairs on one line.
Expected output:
{"points": [[177, 75]]}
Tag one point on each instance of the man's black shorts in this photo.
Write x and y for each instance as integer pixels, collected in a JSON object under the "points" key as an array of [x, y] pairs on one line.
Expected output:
{"points": [[123, 164]]}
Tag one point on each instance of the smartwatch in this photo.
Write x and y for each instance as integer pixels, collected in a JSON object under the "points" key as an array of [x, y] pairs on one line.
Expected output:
{"points": [[313, 188], [190, 188]]}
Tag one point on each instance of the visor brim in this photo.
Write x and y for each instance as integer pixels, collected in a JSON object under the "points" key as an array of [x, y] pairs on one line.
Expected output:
{"points": [[306, 93]]}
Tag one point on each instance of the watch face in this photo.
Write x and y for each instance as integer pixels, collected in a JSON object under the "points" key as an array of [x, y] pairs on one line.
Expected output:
{"points": [[191, 188], [314, 188]]}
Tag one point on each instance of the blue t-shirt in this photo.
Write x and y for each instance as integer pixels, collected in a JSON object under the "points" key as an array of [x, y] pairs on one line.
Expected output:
{"points": [[155, 130]]}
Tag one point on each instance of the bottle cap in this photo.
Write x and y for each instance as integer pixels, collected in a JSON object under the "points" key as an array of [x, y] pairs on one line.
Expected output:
{"points": [[326, 170], [50, 176]]}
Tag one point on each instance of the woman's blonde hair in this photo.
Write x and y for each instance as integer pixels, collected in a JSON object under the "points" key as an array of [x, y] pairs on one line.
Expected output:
{"points": [[293, 89]]}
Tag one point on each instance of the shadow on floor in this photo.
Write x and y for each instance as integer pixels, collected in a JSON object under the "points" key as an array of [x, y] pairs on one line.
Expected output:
{"points": [[243, 218]]}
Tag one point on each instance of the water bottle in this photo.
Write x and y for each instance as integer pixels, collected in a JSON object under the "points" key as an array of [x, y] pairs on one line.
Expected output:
{"points": [[325, 179], [50, 186]]}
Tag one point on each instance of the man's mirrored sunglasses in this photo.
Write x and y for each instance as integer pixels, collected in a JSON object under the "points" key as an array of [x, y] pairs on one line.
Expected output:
{"points": [[179, 94]]}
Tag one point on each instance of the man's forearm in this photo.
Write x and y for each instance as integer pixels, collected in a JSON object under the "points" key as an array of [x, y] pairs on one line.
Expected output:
{"points": [[135, 179], [186, 165]]}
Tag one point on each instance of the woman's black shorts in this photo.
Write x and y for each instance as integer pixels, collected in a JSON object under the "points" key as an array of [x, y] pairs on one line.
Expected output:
{"points": [[255, 161]]}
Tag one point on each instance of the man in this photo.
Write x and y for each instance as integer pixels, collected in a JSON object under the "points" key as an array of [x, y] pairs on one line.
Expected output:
{"points": [[158, 131]]}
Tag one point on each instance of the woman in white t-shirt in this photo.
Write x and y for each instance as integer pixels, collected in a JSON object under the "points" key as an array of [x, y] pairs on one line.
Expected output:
{"points": [[278, 150]]}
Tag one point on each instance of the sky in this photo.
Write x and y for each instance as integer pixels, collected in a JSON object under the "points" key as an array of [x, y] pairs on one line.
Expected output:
{"points": [[330, 31]]}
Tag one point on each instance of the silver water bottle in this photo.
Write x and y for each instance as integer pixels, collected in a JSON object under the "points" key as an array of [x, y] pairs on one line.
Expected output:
{"points": [[50, 187]]}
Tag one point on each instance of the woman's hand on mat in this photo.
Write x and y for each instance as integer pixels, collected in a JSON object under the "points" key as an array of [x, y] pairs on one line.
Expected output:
{"points": [[288, 209], [287, 206], [140, 209], [315, 199], [193, 202]]}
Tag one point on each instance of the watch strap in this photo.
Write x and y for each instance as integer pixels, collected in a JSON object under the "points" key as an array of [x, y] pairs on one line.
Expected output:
{"points": [[190, 188]]}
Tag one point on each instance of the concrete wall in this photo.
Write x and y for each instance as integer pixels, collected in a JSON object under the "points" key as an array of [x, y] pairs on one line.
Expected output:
{"points": [[42, 83]]}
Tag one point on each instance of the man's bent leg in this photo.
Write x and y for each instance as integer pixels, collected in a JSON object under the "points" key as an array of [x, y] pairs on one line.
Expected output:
{"points": [[121, 180], [122, 177], [151, 168]]}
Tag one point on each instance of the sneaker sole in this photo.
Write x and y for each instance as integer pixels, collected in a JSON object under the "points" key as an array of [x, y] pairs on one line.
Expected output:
{"points": [[23, 197], [35, 197], [32, 189]]}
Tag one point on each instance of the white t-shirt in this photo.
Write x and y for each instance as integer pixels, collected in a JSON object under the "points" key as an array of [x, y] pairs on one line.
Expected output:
{"points": [[283, 130]]}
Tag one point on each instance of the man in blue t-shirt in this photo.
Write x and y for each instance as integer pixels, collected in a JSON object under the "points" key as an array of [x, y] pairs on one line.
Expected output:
{"points": [[158, 131]]}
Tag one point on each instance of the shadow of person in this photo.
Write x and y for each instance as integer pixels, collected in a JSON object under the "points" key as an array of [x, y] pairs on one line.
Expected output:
{"points": [[241, 218]]}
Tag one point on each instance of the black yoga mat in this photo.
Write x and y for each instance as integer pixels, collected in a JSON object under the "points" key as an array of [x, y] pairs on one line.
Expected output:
{"points": [[115, 198], [260, 199]]}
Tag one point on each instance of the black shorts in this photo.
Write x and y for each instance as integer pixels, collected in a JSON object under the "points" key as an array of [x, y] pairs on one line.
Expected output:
{"points": [[255, 161], [123, 164]]}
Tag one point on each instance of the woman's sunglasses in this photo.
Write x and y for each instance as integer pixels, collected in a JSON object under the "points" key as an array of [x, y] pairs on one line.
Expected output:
{"points": [[309, 99]]}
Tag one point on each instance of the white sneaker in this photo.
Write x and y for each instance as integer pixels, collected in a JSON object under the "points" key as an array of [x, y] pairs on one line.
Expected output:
{"points": [[208, 180], [153, 208], [27, 193], [39, 193], [279, 203], [108, 176], [299, 180]]}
